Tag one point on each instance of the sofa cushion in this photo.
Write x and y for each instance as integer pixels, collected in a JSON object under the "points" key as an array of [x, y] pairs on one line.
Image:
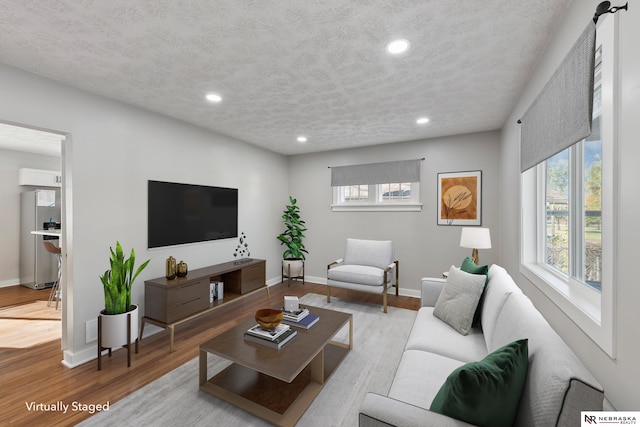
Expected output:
{"points": [[419, 377], [471, 267], [375, 253], [556, 376], [459, 298], [362, 274], [499, 286], [431, 334], [486, 393]]}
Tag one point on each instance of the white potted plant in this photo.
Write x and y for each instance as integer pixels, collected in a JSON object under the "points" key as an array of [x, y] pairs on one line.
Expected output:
{"points": [[294, 255], [117, 282]]}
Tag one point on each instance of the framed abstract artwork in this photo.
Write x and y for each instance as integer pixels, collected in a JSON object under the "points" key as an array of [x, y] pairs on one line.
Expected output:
{"points": [[460, 198]]}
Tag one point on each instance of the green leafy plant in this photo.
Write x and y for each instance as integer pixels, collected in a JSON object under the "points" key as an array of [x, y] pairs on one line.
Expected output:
{"points": [[292, 237], [118, 280]]}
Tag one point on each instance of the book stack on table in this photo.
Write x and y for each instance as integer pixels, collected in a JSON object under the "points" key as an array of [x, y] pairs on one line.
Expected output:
{"points": [[274, 338], [300, 319]]}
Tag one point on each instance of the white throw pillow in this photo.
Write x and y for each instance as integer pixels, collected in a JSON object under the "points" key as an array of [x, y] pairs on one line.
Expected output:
{"points": [[459, 298]]}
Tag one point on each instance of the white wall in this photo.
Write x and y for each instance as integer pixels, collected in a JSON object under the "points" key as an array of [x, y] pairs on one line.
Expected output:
{"points": [[10, 162], [422, 247], [620, 376], [113, 150]]}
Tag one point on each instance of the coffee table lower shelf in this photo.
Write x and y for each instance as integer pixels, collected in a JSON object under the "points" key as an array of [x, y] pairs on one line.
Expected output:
{"points": [[276, 401]]}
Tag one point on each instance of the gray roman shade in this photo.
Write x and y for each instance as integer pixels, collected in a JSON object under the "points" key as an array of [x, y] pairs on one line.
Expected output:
{"points": [[561, 114], [376, 173]]}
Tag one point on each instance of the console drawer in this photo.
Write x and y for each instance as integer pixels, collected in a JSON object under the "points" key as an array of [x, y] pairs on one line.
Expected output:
{"points": [[187, 299], [253, 277]]}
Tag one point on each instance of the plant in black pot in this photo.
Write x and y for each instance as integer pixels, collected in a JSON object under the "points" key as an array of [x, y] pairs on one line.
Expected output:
{"points": [[291, 238], [117, 282]]}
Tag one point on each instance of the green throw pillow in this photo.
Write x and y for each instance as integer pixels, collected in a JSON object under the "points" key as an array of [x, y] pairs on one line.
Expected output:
{"points": [[468, 266], [486, 393]]}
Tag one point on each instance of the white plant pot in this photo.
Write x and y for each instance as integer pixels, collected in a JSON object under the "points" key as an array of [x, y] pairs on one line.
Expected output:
{"points": [[114, 328], [296, 266]]}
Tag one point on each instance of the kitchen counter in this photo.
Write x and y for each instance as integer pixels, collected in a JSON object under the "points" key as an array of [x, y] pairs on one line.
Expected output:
{"points": [[56, 233]]}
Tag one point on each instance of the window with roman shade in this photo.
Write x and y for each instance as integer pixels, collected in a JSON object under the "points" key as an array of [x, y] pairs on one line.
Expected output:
{"points": [[568, 185], [561, 114], [376, 186]]}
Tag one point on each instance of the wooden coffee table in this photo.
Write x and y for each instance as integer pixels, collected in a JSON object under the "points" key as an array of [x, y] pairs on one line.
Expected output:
{"points": [[276, 385]]}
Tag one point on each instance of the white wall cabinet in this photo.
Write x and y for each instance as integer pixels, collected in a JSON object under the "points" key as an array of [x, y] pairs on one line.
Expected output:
{"points": [[39, 177]]}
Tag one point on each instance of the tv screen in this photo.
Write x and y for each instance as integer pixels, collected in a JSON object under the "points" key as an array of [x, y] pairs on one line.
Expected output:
{"points": [[184, 213]]}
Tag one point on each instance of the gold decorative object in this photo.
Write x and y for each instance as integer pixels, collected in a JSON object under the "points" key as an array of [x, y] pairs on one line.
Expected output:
{"points": [[269, 318], [182, 269], [170, 268]]}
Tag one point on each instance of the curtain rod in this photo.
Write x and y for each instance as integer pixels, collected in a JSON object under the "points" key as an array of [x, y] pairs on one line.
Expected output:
{"points": [[605, 7], [421, 159]]}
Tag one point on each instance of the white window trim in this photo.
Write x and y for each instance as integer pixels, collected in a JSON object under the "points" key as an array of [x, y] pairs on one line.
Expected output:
{"points": [[374, 205], [591, 311]]}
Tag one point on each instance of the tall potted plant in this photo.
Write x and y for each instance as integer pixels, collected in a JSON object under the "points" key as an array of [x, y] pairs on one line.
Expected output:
{"points": [[291, 238], [117, 282]]}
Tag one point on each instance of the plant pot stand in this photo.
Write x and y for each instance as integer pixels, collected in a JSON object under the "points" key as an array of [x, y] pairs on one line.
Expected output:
{"points": [[286, 274], [128, 345]]}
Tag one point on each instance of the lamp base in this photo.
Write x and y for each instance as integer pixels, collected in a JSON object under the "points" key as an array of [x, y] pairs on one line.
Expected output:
{"points": [[474, 256]]}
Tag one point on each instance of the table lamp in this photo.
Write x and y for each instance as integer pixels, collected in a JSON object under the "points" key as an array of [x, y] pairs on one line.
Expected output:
{"points": [[475, 238]]}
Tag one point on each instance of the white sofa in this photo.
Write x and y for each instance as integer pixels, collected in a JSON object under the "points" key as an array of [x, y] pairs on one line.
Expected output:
{"points": [[557, 386]]}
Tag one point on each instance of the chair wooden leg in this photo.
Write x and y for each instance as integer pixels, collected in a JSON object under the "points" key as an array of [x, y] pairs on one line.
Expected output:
{"points": [[397, 274], [328, 294], [384, 301]]}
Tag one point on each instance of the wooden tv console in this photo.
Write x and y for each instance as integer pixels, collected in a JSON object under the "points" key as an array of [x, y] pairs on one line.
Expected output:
{"points": [[171, 302]]}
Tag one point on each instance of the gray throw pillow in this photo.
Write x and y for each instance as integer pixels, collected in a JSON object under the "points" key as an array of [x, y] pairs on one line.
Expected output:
{"points": [[459, 298]]}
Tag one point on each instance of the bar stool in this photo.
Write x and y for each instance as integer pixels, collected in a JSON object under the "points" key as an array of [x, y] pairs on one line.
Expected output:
{"points": [[55, 289]]}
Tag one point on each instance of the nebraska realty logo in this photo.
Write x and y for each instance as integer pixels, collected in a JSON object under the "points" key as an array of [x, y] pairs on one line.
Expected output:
{"points": [[627, 418]]}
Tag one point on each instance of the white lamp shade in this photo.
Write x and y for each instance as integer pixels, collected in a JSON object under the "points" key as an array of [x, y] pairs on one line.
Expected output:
{"points": [[475, 237]]}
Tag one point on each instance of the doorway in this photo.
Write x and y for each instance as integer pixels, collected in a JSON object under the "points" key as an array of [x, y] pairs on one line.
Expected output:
{"points": [[27, 148]]}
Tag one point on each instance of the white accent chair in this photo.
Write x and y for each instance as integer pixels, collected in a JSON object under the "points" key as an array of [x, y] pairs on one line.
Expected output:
{"points": [[367, 266]]}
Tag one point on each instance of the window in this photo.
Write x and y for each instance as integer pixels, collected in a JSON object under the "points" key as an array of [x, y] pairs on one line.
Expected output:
{"points": [[381, 197], [396, 192], [355, 193], [567, 213], [573, 207]]}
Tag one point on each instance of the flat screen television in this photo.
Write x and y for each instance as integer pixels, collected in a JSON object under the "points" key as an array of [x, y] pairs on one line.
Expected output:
{"points": [[185, 213]]}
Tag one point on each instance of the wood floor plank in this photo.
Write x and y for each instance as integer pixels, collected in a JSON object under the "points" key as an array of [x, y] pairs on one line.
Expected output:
{"points": [[35, 374]]}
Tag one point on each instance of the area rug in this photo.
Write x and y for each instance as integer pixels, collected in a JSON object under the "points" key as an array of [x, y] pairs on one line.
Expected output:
{"points": [[175, 400]]}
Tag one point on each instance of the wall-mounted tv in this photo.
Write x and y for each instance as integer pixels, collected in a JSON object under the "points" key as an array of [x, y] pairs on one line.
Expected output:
{"points": [[185, 213]]}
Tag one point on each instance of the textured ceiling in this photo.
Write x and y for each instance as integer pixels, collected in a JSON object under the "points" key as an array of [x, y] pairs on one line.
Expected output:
{"points": [[290, 67]]}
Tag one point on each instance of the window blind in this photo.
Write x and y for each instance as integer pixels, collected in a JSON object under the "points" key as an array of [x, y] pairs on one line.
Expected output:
{"points": [[376, 173], [561, 114]]}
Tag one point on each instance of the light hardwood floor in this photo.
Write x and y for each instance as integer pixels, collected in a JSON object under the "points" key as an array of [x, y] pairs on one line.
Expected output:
{"points": [[31, 371]]}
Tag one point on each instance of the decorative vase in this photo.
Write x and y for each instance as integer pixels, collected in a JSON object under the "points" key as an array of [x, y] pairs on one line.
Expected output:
{"points": [[182, 269], [114, 328], [171, 268], [293, 266]]}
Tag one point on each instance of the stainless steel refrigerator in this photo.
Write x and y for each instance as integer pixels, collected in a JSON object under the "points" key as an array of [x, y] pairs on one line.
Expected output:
{"points": [[40, 210]]}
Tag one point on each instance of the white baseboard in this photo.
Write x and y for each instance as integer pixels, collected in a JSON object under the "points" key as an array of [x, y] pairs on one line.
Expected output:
{"points": [[413, 293], [73, 360], [10, 282]]}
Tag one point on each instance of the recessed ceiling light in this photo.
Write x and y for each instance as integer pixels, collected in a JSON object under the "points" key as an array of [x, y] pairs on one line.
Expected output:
{"points": [[398, 46], [213, 97], [302, 139], [422, 120]]}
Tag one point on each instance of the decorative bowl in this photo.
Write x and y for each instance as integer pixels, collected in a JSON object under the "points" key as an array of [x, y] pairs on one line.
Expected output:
{"points": [[268, 318]]}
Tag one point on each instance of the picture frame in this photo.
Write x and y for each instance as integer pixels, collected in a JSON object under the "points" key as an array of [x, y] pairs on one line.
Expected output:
{"points": [[460, 198]]}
